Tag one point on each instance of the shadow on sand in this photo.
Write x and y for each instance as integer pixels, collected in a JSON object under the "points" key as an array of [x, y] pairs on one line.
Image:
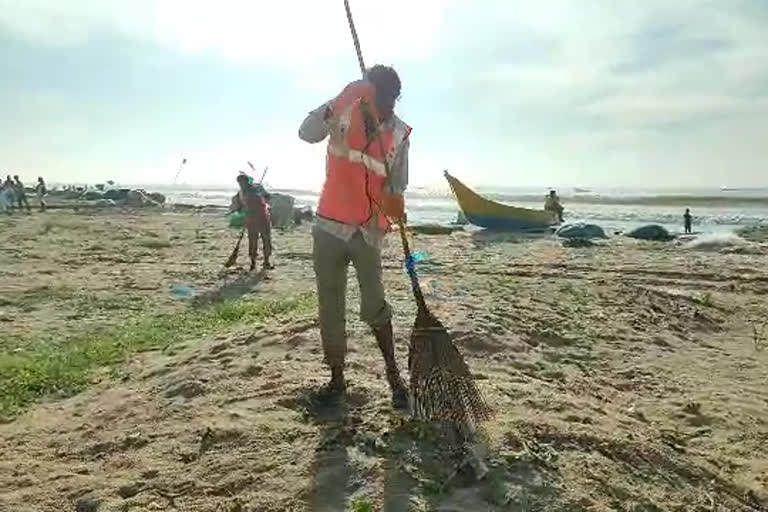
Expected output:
{"points": [[244, 283], [332, 472], [346, 452], [484, 237], [412, 464]]}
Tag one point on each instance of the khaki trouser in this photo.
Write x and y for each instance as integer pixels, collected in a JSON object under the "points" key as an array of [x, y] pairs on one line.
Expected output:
{"points": [[331, 256], [258, 230]]}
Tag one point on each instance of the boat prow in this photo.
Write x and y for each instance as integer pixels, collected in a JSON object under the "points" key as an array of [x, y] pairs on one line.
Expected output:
{"points": [[489, 214]]}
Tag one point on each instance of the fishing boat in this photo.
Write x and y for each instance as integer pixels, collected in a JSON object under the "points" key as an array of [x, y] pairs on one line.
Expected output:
{"points": [[497, 216]]}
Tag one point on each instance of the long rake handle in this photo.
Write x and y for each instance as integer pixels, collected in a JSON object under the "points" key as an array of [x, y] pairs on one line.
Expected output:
{"points": [[264, 173], [418, 295], [355, 39]]}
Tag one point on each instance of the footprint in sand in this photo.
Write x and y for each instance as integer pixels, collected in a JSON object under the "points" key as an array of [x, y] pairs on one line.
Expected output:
{"points": [[187, 389]]}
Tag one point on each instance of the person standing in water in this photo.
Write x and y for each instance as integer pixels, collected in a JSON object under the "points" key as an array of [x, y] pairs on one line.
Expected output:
{"points": [[687, 220], [253, 201]]}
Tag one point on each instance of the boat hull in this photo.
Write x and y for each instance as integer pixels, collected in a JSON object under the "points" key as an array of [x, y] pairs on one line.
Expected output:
{"points": [[491, 215]]}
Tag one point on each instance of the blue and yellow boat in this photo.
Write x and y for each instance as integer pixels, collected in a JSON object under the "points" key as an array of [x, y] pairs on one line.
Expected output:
{"points": [[496, 216]]}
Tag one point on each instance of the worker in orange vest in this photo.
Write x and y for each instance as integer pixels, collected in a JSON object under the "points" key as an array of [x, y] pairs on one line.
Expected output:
{"points": [[253, 200], [356, 205]]}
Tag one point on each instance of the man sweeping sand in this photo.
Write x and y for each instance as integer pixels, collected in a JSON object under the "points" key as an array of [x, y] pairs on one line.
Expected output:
{"points": [[352, 212], [253, 201]]}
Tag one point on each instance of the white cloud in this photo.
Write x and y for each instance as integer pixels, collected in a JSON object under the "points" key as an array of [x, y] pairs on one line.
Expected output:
{"points": [[581, 91], [685, 105], [287, 33]]}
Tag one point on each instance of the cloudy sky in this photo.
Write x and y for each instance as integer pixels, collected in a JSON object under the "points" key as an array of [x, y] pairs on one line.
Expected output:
{"points": [[509, 92]]}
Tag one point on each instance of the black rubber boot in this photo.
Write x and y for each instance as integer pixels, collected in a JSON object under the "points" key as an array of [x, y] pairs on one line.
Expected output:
{"points": [[334, 388], [337, 384], [385, 339]]}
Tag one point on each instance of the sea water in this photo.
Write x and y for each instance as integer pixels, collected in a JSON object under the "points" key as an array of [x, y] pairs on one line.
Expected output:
{"points": [[713, 210]]}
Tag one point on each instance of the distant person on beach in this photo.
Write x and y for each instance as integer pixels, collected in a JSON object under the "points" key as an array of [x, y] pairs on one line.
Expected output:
{"points": [[11, 189], [6, 197], [21, 194], [687, 220], [356, 203], [41, 191], [552, 204], [253, 200]]}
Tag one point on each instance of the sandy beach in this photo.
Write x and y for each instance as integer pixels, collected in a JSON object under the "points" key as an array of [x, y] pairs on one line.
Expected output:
{"points": [[137, 374]]}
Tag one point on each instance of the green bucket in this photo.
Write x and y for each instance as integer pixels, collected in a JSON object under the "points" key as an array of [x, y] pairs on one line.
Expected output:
{"points": [[237, 220]]}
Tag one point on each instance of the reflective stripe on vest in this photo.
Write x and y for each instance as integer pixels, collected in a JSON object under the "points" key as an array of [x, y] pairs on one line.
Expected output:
{"points": [[358, 157], [337, 146], [349, 195]]}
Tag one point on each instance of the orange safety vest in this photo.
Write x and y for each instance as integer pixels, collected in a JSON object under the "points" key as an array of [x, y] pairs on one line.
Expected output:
{"points": [[356, 176], [255, 207]]}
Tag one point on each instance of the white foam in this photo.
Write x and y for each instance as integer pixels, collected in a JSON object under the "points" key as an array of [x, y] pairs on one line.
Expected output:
{"points": [[716, 241]]}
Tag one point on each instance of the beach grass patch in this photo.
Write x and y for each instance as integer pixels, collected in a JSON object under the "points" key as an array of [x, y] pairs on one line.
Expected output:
{"points": [[86, 303], [361, 505], [35, 368]]}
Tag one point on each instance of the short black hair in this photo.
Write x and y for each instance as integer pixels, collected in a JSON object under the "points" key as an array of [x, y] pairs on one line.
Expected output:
{"points": [[387, 83]]}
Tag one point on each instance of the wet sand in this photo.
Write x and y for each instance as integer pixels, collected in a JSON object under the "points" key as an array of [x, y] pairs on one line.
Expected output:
{"points": [[625, 376]]}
